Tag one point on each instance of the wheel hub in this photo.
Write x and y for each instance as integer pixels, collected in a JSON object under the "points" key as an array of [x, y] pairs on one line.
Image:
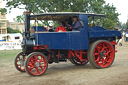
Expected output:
{"points": [[22, 62], [102, 54], [37, 64]]}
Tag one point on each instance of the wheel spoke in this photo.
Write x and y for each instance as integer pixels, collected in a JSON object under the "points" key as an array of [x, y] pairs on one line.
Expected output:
{"points": [[98, 58], [41, 60], [30, 64], [36, 58], [102, 61], [106, 61], [19, 66], [38, 70], [31, 67], [103, 47], [17, 60], [107, 53], [42, 66], [109, 57], [31, 60], [96, 54], [98, 48]]}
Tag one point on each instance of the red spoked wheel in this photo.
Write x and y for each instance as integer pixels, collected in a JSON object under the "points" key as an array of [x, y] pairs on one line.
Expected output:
{"points": [[61, 29], [76, 61], [36, 64], [101, 54], [19, 62]]}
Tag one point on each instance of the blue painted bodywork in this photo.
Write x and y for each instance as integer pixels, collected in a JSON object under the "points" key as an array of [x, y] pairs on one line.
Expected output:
{"points": [[99, 32], [77, 40]]}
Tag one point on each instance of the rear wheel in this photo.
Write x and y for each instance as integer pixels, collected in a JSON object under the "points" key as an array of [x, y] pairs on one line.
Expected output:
{"points": [[36, 64], [101, 54], [77, 61], [19, 62]]}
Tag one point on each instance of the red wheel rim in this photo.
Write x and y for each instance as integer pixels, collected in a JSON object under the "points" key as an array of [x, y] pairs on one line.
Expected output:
{"points": [[20, 62], [103, 54], [60, 29], [37, 64]]}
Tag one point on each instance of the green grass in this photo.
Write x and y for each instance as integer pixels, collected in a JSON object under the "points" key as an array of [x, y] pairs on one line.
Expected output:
{"points": [[8, 56]]}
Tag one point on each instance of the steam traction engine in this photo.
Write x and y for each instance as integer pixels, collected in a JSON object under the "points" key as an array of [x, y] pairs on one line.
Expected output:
{"points": [[92, 44]]}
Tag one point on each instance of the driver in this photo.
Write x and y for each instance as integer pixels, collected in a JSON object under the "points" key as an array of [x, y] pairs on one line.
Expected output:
{"points": [[77, 25]]}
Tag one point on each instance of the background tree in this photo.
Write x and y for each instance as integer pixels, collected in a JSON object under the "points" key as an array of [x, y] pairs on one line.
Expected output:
{"points": [[111, 16], [3, 10], [20, 19], [87, 6], [10, 30]]}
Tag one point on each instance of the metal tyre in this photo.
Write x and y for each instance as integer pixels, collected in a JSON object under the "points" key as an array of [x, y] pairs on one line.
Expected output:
{"points": [[36, 64], [77, 62], [101, 54], [19, 62]]}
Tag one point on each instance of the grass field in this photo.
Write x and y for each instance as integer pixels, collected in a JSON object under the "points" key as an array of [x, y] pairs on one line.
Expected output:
{"points": [[7, 56]]}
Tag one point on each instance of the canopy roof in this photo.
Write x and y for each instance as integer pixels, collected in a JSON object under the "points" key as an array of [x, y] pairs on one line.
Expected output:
{"points": [[60, 15]]}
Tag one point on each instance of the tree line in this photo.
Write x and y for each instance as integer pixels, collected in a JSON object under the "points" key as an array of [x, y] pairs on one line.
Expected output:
{"points": [[87, 6]]}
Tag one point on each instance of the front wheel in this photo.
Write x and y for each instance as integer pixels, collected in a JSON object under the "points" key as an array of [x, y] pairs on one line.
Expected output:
{"points": [[36, 64], [19, 62], [101, 54]]}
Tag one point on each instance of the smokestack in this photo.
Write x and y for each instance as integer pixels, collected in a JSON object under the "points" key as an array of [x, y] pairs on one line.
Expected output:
{"points": [[27, 23]]}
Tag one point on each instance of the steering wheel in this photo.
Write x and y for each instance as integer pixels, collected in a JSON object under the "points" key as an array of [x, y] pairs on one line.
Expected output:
{"points": [[61, 29]]}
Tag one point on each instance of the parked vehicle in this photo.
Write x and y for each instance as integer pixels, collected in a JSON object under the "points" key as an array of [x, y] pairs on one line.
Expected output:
{"points": [[92, 44]]}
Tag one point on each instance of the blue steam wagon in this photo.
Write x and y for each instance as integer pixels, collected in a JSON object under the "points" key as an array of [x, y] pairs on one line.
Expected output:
{"points": [[91, 43]]}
